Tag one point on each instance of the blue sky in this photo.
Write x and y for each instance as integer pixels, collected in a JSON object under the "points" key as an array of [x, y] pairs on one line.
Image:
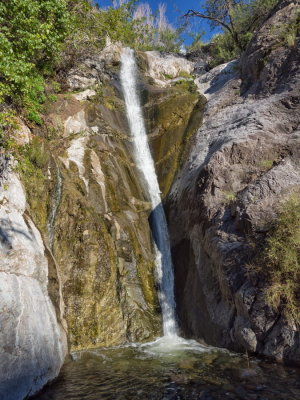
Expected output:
{"points": [[176, 8]]}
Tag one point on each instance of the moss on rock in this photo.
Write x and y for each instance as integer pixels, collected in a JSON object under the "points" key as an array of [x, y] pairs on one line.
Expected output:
{"points": [[172, 115], [101, 238]]}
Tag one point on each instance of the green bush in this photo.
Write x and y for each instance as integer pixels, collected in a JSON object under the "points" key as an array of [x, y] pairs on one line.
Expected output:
{"points": [[169, 40], [291, 31], [93, 26], [186, 85], [279, 261], [36, 36], [33, 159], [229, 197], [222, 49], [7, 124], [248, 16], [31, 36]]}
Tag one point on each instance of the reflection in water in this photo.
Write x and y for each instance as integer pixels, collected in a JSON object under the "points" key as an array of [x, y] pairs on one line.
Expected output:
{"points": [[160, 371]]}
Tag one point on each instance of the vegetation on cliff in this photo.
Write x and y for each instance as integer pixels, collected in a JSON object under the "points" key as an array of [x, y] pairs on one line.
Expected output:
{"points": [[31, 37], [237, 20], [40, 41], [279, 260]]}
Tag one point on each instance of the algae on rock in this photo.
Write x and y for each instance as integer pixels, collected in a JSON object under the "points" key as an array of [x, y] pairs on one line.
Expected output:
{"points": [[101, 240], [173, 115]]}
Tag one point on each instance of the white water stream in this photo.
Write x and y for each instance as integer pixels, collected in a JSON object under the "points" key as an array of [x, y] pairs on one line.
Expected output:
{"points": [[145, 164]]}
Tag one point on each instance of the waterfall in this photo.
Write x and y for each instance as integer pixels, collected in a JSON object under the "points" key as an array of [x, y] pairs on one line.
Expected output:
{"points": [[145, 164]]}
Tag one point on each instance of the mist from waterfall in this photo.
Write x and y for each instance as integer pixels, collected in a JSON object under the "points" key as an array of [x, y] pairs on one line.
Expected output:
{"points": [[145, 164]]}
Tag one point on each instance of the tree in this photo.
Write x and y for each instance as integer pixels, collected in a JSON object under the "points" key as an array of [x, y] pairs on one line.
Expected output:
{"points": [[236, 17], [31, 37], [154, 31], [220, 13]]}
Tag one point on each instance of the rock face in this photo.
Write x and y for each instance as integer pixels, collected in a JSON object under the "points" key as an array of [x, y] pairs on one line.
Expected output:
{"points": [[101, 239], [244, 162], [77, 258], [271, 61], [172, 116], [87, 198], [33, 342], [165, 67]]}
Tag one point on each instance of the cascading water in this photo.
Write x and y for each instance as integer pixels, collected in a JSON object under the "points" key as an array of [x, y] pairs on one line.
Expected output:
{"points": [[145, 164]]}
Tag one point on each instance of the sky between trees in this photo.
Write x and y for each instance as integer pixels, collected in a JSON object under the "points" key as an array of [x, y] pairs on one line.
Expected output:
{"points": [[174, 10]]}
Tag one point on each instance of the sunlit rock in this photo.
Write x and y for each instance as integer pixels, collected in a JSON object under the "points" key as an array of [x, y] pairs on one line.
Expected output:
{"points": [[32, 340]]}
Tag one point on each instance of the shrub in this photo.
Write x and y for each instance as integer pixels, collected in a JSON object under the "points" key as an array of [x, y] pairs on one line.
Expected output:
{"points": [[291, 31], [186, 85], [31, 36], [267, 164], [222, 49], [229, 197], [131, 24], [279, 261], [7, 124], [33, 159]]}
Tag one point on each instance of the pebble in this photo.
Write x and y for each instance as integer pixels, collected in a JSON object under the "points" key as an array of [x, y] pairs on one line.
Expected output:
{"points": [[247, 373]]}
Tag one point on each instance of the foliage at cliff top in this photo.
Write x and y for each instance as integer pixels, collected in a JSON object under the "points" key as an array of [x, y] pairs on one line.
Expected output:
{"points": [[237, 19], [41, 38], [38, 38], [31, 36], [126, 22]]}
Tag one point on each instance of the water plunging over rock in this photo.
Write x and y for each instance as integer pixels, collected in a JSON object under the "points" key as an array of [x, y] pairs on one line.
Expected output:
{"points": [[98, 213], [145, 164]]}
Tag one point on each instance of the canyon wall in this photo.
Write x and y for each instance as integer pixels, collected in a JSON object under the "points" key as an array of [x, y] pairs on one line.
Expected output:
{"points": [[33, 341], [243, 164], [77, 257]]}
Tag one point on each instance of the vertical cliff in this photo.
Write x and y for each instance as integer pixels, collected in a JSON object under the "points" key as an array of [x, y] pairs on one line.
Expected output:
{"points": [[243, 164], [77, 257], [33, 340], [87, 198]]}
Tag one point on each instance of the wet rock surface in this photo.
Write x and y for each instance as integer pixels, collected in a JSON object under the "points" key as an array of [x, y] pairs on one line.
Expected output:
{"points": [[88, 198], [101, 240], [172, 116], [77, 257], [244, 162]]}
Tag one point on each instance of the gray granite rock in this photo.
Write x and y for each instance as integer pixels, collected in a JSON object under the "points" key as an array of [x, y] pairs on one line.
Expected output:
{"points": [[243, 163], [32, 339]]}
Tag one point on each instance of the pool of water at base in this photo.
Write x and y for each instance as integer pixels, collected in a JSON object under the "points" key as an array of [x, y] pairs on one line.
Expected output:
{"points": [[162, 370]]}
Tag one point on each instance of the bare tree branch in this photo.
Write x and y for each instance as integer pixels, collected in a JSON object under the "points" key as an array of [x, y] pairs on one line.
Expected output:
{"points": [[192, 13]]}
